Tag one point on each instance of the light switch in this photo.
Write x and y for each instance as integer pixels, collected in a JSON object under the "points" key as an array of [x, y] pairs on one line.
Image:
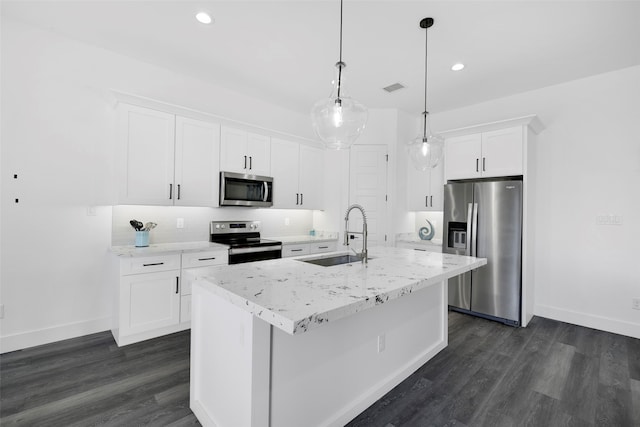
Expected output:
{"points": [[180, 223]]}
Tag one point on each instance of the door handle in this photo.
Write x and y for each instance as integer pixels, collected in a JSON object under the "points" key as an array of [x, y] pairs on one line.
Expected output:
{"points": [[302, 198], [467, 250], [297, 198], [426, 201], [431, 200], [178, 191], [477, 165], [170, 191], [245, 162], [250, 162], [484, 169], [177, 284], [474, 231]]}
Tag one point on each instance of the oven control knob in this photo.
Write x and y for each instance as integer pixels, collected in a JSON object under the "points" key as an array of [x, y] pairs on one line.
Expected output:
{"points": [[222, 226]]}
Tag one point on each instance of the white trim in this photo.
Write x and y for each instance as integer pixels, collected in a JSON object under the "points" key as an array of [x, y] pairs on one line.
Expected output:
{"points": [[55, 333], [532, 121], [616, 326]]}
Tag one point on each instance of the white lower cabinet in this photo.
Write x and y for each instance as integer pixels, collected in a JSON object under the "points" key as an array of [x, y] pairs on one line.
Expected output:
{"points": [[298, 249], [153, 298]]}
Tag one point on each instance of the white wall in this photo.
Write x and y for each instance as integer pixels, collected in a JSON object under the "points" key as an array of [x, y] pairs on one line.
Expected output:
{"points": [[57, 130], [588, 165]]}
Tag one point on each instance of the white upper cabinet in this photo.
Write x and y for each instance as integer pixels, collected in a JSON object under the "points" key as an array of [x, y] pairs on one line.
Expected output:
{"points": [[244, 152], [297, 175], [425, 189], [196, 163], [146, 156], [167, 159], [487, 154]]}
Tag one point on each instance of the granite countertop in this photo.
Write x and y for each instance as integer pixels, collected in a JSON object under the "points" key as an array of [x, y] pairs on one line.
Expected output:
{"points": [[413, 238], [166, 248], [304, 238], [295, 296]]}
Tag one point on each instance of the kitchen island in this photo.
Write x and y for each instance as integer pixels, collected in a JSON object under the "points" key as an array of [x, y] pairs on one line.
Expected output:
{"points": [[289, 343]]}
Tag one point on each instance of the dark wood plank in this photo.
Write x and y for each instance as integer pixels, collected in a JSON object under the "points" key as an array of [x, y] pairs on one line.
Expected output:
{"points": [[614, 407]]}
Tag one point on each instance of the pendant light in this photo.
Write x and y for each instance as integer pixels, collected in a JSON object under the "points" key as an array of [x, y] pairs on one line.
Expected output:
{"points": [[338, 120], [426, 150]]}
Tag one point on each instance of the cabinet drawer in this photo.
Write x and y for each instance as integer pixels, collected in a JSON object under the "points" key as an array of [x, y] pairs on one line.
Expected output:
{"points": [[204, 259], [295, 250], [318, 248], [138, 265]]}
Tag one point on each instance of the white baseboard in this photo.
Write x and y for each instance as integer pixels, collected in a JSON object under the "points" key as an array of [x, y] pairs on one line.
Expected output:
{"points": [[621, 327], [55, 333]]}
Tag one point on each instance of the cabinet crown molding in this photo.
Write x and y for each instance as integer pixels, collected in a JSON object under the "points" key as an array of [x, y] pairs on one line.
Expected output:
{"points": [[531, 121]]}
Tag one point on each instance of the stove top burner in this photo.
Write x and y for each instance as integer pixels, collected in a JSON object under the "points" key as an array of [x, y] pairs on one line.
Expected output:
{"points": [[243, 239]]}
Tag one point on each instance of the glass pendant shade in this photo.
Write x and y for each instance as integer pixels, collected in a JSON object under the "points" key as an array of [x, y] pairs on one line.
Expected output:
{"points": [[426, 150], [338, 120]]}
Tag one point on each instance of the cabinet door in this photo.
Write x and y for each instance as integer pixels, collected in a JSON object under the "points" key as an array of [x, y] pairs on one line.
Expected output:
{"points": [[146, 156], [259, 154], [196, 163], [462, 156], [418, 189], [311, 177], [436, 196], [284, 169], [502, 152], [149, 301], [233, 150]]}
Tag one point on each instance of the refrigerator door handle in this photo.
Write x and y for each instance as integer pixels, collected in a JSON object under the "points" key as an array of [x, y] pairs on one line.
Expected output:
{"points": [[474, 231], [467, 251]]}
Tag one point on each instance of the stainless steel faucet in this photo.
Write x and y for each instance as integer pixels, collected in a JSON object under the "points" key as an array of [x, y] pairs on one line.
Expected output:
{"points": [[364, 254]]}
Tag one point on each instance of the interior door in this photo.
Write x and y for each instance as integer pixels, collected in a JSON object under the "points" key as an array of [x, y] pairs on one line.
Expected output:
{"points": [[368, 188]]}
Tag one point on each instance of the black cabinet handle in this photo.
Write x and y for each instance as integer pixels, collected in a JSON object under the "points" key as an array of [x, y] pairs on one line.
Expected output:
{"points": [[170, 191], [323, 247], [177, 284], [477, 165], [245, 162], [302, 198], [426, 201], [431, 200], [296, 250], [484, 169], [250, 162], [155, 263], [297, 198], [206, 259], [178, 191]]}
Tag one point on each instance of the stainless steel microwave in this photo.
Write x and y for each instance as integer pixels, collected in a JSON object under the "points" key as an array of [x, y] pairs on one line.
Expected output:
{"points": [[238, 189]]}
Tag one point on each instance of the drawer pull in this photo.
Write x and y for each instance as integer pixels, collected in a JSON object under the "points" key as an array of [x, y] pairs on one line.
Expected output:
{"points": [[323, 247], [155, 263], [422, 250], [206, 259], [296, 250]]}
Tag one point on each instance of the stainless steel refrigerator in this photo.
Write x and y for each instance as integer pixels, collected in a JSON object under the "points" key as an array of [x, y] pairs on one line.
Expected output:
{"points": [[484, 219]]}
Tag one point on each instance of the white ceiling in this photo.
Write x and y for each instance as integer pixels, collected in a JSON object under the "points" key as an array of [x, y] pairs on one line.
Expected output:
{"points": [[285, 51]]}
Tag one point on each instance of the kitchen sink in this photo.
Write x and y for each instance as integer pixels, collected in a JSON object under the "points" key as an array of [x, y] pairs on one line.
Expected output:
{"points": [[333, 260]]}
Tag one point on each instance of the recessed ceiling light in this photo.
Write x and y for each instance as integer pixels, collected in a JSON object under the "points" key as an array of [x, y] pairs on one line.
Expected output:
{"points": [[203, 17], [457, 67]]}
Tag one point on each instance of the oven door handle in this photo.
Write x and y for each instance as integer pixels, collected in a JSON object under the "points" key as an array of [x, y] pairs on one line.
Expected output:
{"points": [[238, 251]]}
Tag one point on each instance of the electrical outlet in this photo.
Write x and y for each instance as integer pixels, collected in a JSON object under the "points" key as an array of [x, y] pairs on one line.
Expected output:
{"points": [[609, 219], [180, 223], [287, 221], [91, 211], [382, 344], [635, 303]]}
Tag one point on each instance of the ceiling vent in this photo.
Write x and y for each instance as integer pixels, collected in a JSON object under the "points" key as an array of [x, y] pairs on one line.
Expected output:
{"points": [[394, 87]]}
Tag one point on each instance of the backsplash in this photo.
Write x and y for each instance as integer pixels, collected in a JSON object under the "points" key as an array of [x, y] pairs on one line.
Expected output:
{"points": [[197, 219]]}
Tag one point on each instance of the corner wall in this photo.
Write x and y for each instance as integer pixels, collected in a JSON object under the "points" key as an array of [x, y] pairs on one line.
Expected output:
{"points": [[588, 165]]}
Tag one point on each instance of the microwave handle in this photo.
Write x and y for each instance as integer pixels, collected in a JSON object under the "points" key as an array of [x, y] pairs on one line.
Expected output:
{"points": [[266, 191]]}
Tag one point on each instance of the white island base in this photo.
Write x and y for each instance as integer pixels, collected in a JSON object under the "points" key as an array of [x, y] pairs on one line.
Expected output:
{"points": [[245, 372]]}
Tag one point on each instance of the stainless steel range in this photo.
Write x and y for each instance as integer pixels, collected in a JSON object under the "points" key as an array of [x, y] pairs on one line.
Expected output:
{"points": [[243, 238]]}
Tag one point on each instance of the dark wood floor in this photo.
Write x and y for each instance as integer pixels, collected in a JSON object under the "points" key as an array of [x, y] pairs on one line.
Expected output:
{"points": [[547, 374]]}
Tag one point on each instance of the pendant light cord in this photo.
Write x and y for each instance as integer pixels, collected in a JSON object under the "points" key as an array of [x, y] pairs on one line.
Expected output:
{"points": [[426, 45], [340, 63]]}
